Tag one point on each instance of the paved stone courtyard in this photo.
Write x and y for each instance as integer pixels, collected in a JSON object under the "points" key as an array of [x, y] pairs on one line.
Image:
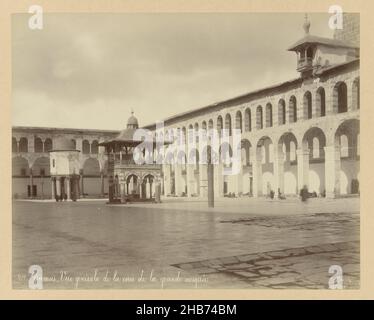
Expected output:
{"points": [[241, 243]]}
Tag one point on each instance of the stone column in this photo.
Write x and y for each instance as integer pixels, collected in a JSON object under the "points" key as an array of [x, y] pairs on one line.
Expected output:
{"points": [[53, 180], [82, 183], [332, 171], [256, 171], [68, 188], [78, 186], [31, 183], [302, 168], [58, 187], [179, 185], [278, 170], [239, 181], [122, 191], [218, 179], [190, 180], [141, 191]]}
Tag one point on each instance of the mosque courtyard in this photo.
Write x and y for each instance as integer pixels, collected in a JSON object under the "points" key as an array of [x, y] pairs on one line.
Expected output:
{"points": [[181, 243]]}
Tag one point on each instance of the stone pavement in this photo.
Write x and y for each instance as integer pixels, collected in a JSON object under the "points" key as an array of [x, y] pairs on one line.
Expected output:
{"points": [[85, 237], [256, 206]]}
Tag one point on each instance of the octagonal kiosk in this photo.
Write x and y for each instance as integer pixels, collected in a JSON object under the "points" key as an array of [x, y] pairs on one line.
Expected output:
{"points": [[64, 164]]}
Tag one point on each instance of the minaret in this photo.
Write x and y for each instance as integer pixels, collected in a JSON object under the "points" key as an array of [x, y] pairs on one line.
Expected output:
{"points": [[314, 53]]}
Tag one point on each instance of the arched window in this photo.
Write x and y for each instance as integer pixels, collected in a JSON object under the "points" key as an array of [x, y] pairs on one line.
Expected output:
{"points": [[292, 110], [14, 145], [340, 97], [269, 115], [38, 145], [356, 94], [281, 112], [320, 102], [259, 122], [48, 145], [308, 113], [85, 147], [248, 120], [315, 148], [95, 147], [238, 121], [228, 124], [219, 124], [344, 150], [23, 145], [292, 151]]}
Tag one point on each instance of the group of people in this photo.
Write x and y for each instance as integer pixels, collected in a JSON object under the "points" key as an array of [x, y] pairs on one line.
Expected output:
{"points": [[304, 193]]}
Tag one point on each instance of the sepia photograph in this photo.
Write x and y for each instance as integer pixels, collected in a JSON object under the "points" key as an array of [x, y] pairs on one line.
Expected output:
{"points": [[185, 150]]}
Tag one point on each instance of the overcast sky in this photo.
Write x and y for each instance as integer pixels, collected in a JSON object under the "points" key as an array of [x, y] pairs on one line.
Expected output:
{"points": [[89, 70]]}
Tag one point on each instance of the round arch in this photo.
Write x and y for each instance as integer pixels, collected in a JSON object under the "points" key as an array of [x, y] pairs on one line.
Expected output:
{"points": [[313, 146], [20, 166]]}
